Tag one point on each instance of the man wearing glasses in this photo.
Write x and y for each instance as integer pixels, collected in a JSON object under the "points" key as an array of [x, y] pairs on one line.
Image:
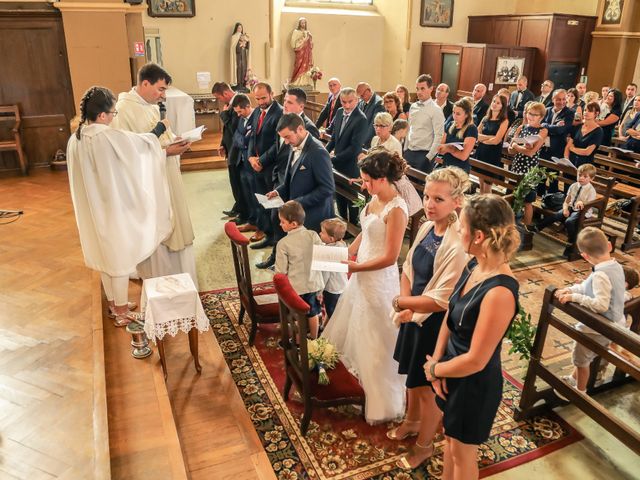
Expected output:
{"points": [[546, 96]]}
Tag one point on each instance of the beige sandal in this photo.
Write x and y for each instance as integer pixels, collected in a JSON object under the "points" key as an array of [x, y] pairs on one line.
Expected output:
{"points": [[393, 433], [130, 306], [424, 453], [125, 319]]}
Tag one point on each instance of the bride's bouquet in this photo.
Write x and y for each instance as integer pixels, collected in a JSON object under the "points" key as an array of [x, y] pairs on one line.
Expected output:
{"points": [[322, 355]]}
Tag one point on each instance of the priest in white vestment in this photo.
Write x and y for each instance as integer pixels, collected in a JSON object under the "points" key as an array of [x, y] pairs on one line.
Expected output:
{"points": [[138, 112], [120, 196]]}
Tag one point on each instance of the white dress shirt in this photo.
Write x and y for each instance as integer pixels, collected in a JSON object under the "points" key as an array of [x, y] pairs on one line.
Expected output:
{"points": [[294, 254], [426, 126]]}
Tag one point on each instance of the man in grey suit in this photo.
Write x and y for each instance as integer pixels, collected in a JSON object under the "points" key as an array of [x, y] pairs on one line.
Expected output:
{"points": [[370, 104], [348, 132]]}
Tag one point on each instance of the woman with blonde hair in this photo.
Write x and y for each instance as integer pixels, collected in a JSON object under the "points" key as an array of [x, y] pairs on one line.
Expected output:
{"points": [[433, 265], [459, 137], [527, 151], [465, 370]]}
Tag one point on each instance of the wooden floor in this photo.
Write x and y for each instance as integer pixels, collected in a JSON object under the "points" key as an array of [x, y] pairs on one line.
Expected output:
{"points": [[56, 389], [52, 400]]}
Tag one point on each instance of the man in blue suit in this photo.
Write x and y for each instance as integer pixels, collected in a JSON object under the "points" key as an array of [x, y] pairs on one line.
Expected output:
{"points": [[309, 175], [559, 123], [262, 146], [370, 104], [348, 132]]}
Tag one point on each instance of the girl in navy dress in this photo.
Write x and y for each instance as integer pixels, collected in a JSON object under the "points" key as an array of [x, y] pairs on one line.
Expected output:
{"points": [[462, 131], [432, 267], [582, 147], [465, 370], [492, 129]]}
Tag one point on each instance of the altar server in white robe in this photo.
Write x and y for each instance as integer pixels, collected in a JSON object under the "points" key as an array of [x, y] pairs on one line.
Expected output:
{"points": [[120, 196], [138, 112]]}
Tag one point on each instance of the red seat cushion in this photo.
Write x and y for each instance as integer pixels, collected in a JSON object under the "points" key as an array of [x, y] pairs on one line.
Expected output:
{"points": [[269, 309], [235, 235], [341, 384]]}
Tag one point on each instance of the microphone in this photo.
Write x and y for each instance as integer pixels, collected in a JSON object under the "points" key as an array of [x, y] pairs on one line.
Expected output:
{"points": [[163, 110]]}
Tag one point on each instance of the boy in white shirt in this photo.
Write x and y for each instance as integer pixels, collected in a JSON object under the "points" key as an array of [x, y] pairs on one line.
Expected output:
{"points": [[332, 233], [294, 254], [602, 292], [579, 193]]}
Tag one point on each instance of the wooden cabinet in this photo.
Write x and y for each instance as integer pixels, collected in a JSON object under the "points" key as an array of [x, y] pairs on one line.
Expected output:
{"points": [[476, 64], [562, 42]]}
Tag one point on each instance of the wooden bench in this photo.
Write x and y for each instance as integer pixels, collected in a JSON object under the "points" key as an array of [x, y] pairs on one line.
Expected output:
{"points": [[11, 113], [627, 187], [603, 185], [535, 401]]}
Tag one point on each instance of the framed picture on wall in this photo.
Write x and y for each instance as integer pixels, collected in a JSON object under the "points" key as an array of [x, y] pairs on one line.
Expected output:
{"points": [[171, 8], [436, 13], [612, 12], [508, 69]]}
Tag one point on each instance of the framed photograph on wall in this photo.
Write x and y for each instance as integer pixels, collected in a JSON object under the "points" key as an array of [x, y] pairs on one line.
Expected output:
{"points": [[612, 12], [171, 8], [508, 69], [436, 13]]}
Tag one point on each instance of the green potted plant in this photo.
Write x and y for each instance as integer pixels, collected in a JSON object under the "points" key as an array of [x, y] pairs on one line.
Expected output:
{"points": [[528, 183]]}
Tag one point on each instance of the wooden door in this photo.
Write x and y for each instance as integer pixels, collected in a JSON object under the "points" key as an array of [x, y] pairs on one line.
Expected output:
{"points": [[35, 76]]}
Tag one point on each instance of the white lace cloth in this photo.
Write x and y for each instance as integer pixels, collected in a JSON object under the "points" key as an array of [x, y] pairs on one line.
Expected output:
{"points": [[171, 304]]}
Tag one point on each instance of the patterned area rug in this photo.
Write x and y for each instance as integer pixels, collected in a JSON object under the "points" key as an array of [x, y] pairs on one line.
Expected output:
{"points": [[339, 443]]}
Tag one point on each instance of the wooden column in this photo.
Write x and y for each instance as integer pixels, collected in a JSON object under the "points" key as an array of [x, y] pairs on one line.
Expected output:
{"points": [[615, 50]]}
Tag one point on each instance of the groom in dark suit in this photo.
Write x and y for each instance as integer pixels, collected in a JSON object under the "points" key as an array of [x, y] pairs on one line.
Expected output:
{"points": [[348, 132], [308, 178]]}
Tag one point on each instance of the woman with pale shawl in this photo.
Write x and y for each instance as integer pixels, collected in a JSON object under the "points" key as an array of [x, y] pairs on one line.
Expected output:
{"points": [[302, 44], [433, 265], [240, 56]]}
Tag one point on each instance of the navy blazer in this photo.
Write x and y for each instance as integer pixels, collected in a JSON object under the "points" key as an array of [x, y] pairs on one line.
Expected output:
{"points": [[347, 147], [370, 111], [310, 182], [548, 101], [326, 115], [557, 133], [241, 139], [527, 96], [282, 151], [229, 124], [479, 111], [263, 143]]}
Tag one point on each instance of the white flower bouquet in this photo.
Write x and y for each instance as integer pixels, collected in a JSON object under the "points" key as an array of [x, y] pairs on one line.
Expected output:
{"points": [[323, 355]]}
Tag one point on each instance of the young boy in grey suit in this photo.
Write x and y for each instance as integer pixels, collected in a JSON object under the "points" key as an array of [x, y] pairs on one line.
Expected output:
{"points": [[294, 254]]}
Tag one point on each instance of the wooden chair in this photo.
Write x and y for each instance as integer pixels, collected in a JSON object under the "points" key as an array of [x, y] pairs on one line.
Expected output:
{"points": [[11, 112], [254, 302], [343, 388]]}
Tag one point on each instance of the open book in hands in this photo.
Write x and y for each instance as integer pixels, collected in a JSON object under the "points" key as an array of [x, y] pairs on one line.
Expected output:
{"points": [[456, 145], [563, 161], [275, 202], [190, 136], [329, 259], [528, 141]]}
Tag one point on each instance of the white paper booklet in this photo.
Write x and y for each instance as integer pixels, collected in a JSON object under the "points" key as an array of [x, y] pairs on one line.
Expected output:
{"points": [[563, 161], [328, 259], [530, 140], [191, 135], [275, 202], [457, 145], [623, 150]]}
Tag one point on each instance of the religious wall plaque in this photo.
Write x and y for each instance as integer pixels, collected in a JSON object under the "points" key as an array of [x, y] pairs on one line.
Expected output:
{"points": [[171, 8], [436, 13], [612, 12]]}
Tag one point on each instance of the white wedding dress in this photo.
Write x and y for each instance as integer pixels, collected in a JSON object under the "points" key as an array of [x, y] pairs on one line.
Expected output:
{"points": [[361, 327]]}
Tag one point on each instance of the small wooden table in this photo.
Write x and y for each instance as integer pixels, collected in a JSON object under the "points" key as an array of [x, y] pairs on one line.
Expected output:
{"points": [[171, 304]]}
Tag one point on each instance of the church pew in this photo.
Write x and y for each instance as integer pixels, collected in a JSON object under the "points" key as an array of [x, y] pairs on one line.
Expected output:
{"points": [[627, 187], [534, 400]]}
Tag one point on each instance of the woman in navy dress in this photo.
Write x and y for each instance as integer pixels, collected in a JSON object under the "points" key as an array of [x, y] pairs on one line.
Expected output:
{"points": [[460, 131], [432, 267], [492, 129], [608, 124], [587, 138], [465, 370]]}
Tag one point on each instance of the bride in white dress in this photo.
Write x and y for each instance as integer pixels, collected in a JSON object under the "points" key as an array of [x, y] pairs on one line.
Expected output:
{"points": [[361, 326]]}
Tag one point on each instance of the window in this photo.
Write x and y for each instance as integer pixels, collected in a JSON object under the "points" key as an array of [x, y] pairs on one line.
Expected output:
{"points": [[343, 2]]}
